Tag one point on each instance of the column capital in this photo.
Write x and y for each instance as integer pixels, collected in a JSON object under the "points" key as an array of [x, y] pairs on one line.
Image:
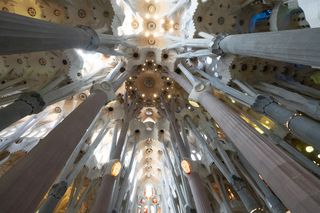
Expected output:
{"points": [[215, 47], [58, 190], [198, 89], [34, 100], [261, 102], [237, 183], [94, 38], [113, 168], [105, 87], [189, 166]]}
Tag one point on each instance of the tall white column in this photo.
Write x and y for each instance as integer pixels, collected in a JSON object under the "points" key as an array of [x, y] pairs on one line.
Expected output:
{"points": [[296, 187], [23, 187], [21, 34], [294, 46]]}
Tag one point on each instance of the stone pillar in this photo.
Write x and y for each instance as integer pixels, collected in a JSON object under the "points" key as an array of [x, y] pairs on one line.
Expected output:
{"points": [[199, 193], [303, 127], [23, 187], [273, 203], [21, 34], [297, 188], [201, 200], [295, 154], [179, 173], [68, 174], [104, 196], [227, 169], [125, 183], [300, 125], [26, 104], [121, 140], [246, 197], [299, 194], [114, 139], [169, 163], [175, 131], [293, 46], [55, 194]]}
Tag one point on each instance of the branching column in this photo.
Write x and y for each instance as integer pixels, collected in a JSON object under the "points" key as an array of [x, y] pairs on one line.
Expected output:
{"points": [[227, 169], [21, 34], [104, 201], [67, 176], [125, 182], [273, 203], [202, 202], [299, 194], [302, 126], [169, 163], [22, 188], [293, 46]]}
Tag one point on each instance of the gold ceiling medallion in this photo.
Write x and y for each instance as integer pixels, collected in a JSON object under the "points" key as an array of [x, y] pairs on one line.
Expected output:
{"points": [[32, 12], [152, 8], [151, 25], [82, 13], [57, 12], [134, 24]]}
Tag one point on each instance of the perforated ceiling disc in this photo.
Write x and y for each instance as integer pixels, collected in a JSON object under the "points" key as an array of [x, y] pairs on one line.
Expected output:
{"points": [[215, 16], [149, 83], [30, 8]]}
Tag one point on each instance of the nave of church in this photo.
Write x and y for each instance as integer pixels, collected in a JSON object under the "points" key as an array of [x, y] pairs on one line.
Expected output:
{"points": [[159, 106]]}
